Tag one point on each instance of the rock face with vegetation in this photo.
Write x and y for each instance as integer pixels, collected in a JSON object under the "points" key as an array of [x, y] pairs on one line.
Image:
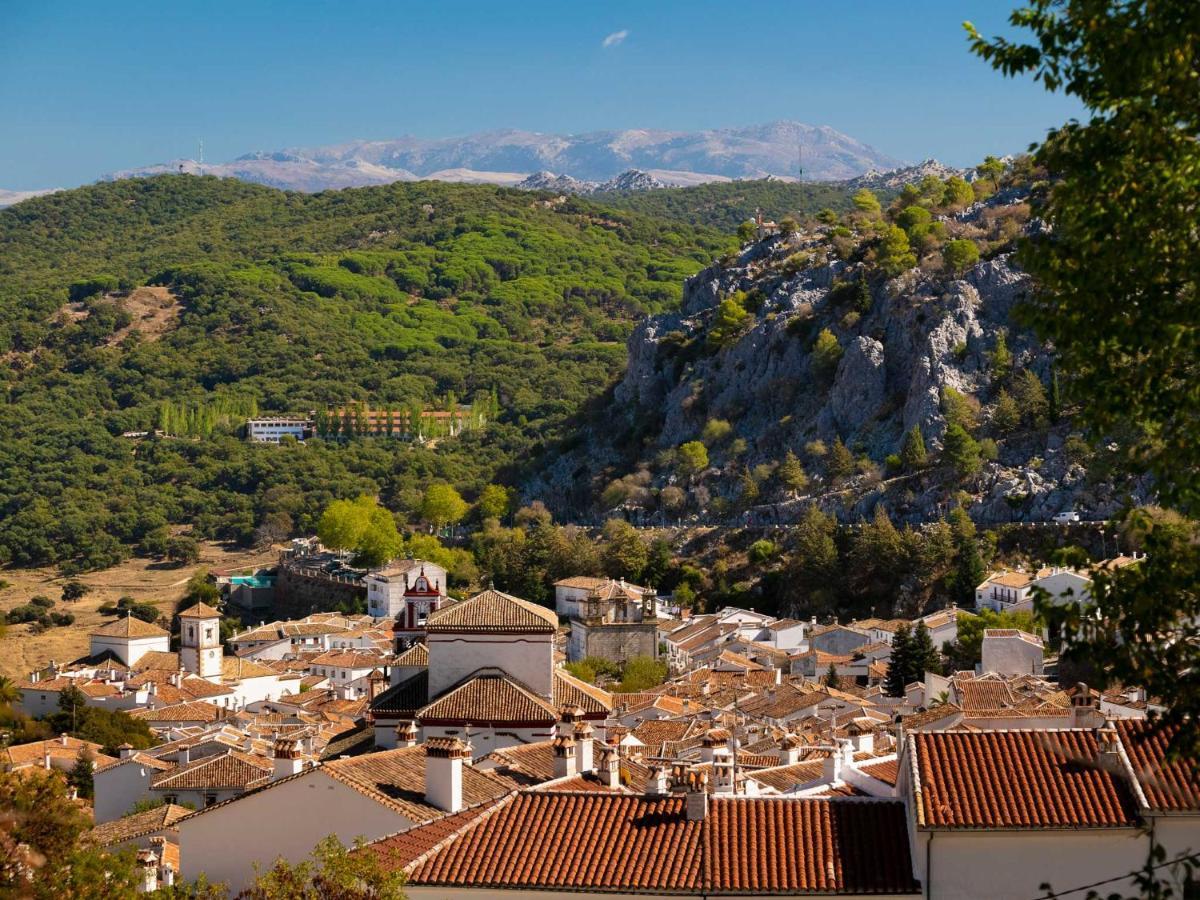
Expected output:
{"points": [[836, 343]]}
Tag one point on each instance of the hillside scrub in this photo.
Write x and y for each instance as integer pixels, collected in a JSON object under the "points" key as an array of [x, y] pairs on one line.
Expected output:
{"points": [[389, 296]]}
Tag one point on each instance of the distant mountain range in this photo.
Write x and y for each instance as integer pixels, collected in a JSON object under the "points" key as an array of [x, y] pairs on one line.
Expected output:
{"points": [[509, 157]]}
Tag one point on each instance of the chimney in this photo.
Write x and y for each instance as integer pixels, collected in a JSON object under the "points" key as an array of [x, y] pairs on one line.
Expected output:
{"points": [[286, 758], [46, 758], [62, 739], [722, 766], [406, 734], [610, 767], [183, 756], [126, 750], [564, 756], [658, 785], [585, 748], [1108, 750], [832, 766], [1083, 707], [444, 773], [789, 750], [696, 797], [708, 747], [147, 861]]}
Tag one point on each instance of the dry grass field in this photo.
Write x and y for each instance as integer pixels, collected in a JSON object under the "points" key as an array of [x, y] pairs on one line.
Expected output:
{"points": [[21, 652]]}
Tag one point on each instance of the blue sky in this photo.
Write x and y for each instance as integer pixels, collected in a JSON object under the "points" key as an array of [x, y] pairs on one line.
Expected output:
{"points": [[89, 87]]}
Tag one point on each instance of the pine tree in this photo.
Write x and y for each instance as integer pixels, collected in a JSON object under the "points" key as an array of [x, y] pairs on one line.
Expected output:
{"points": [[792, 474], [900, 664], [912, 453], [841, 461], [1001, 359], [832, 678], [925, 656]]}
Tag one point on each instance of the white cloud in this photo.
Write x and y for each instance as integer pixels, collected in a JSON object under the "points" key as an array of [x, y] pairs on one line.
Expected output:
{"points": [[615, 38]]}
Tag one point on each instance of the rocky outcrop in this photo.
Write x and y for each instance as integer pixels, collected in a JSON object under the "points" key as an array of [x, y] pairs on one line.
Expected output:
{"points": [[903, 344]]}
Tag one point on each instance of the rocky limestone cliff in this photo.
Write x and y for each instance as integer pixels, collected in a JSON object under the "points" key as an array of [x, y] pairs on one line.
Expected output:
{"points": [[922, 333]]}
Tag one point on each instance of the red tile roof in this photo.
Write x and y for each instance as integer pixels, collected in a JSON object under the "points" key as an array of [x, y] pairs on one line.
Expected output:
{"points": [[129, 627], [200, 610], [1016, 779], [493, 611], [1172, 786], [489, 698], [618, 842]]}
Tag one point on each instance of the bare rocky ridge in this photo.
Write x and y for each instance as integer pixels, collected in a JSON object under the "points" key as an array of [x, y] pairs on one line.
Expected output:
{"points": [[924, 331]]}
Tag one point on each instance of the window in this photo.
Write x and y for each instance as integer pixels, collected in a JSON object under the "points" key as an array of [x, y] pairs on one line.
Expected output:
{"points": [[170, 799], [210, 799]]}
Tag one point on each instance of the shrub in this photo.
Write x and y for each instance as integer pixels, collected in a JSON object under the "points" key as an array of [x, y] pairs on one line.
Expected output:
{"points": [[895, 253], [761, 551], [692, 458], [715, 431], [42, 601], [960, 255], [826, 353]]}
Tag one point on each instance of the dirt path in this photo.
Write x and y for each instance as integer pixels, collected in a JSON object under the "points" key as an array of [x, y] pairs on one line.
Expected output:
{"points": [[21, 652]]}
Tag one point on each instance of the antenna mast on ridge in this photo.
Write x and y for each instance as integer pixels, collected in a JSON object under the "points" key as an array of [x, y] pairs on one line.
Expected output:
{"points": [[799, 162], [201, 160]]}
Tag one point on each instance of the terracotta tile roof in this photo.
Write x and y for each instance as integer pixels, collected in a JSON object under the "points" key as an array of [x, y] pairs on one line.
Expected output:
{"points": [[1011, 579], [403, 699], [195, 711], [930, 716], [887, 771], [396, 778], [750, 845], [416, 655], [1016, 779], [200, 610], [403, 849], [231, 769], [654, 732], [134, 826], [487, 698], [234, 668], [493, 611], [348, 659], [527, 764], [572, 691], [583, 582], [1171, 786], [158, 659], [129, 627], [785, 778], [61, 747]]}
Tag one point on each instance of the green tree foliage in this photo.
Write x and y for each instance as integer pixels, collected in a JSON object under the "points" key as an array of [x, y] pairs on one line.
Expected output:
{"points": [[44, 856], [80, 776], [866, 202], [1006, 415], [792, 475], [642, 673], [970, 568], [925, 657], [960, 255], [343, 523], [286, 299], [826, 354], [74, 590], [380, 542], [1001, 359], [840, 463], [333, 872], [728, 324], [495, 502], [961, 451], [108, 727], [958, 193], [959, 409], [1030, 396], [991, 168], [912, 452], [625, 554], [692, 458], [442, 505], [901, 663], [895, 254], [814, 568], [832, 679]]}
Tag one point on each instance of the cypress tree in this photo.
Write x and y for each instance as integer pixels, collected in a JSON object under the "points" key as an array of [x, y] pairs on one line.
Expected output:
{"points": [[912, 453], [832, 678], [900, 664], [925, 656]]}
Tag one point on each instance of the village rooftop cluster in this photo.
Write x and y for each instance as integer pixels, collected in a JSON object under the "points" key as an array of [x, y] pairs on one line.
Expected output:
{"points": [[452, 737]]}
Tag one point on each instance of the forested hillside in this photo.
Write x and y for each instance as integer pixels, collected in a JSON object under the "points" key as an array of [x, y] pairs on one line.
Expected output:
{"points": [[726, 205], [409, 293]]}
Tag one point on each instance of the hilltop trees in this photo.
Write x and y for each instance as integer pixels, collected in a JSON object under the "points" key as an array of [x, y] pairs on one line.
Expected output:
{"points": [[360, 526], [894, 254]]}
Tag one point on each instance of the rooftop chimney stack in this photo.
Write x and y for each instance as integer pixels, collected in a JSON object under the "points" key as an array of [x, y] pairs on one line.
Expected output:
{"points": [[444, 773], [610, 767], [406, 734], [585, 747], [1108, 750], [564, 756], [722, 765], [696, 798], [789, 750], [658, 784], [286, 758]]}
